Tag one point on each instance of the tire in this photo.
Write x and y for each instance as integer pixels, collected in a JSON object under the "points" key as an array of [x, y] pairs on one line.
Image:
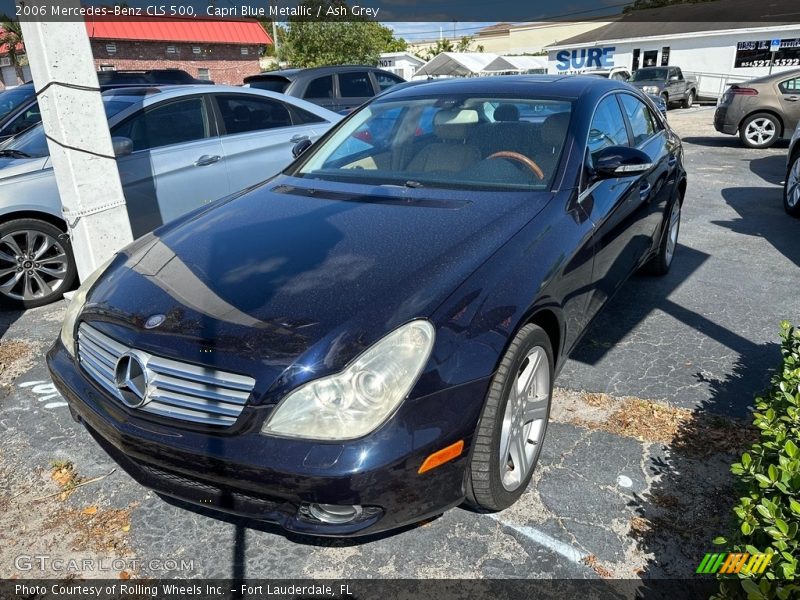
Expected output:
{"points": [[660, 264], [689, 101], [791, 187], [665, 98], [760, 130], [490, 487], [36, 263]]}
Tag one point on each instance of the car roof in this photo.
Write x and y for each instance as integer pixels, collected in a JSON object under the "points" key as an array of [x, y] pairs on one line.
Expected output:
{"points": [[773, 77], [294, 73], [565, 86], [150, 94]]}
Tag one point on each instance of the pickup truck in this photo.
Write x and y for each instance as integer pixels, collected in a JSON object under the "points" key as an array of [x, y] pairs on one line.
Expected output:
{"points": [[667, 82]]}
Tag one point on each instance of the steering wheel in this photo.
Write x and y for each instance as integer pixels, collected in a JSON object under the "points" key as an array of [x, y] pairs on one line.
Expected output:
{"points": [[519, 158]]}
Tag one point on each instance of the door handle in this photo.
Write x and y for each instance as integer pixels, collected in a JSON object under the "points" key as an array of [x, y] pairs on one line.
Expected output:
{"points": [[298, 138], [206, 160], [793, 98], [644, 190]]}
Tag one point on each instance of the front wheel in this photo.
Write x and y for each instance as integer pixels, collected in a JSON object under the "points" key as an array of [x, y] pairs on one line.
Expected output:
{"points": [[687, 103], [665, 98], [791, 189], [512, 426], [662, 261], [759, 131], [36, 263]]}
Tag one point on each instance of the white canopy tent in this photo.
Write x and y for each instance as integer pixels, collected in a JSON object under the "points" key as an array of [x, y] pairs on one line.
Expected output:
{"points": [[516, 64], [455, 64], [471, 64]]}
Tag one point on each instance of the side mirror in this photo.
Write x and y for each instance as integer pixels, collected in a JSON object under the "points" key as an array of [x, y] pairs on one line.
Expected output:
{"points": [[122, 146], [301, 147], [620, 161]]}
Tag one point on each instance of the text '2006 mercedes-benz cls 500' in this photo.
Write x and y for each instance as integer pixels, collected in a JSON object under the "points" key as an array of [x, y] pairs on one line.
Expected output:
{"points": [[371, 337]]}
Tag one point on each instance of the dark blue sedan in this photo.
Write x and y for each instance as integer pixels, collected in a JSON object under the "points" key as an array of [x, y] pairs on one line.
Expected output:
{"points": [[371, 337]]}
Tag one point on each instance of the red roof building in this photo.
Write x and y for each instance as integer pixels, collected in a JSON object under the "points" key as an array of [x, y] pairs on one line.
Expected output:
{"points": [[222, 51]]}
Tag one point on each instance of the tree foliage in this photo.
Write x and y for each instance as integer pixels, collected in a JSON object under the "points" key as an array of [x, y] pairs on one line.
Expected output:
{"points": [[11, 37], [340, 39], [465, 44]]}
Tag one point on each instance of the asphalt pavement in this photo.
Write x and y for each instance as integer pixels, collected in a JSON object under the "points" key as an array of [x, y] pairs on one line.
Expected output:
{"points": [[604, 502]]}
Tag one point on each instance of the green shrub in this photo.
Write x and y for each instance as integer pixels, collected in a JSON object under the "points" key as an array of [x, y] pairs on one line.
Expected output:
{"points": [[768, 512]]}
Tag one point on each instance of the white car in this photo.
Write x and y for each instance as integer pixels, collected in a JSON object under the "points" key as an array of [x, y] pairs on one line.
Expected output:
{"points": [[177, 147]]}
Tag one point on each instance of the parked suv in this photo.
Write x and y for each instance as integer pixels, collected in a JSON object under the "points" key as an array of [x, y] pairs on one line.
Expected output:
{"points": [[337, 88], [19, 109], [761, 110], [667, 82]]}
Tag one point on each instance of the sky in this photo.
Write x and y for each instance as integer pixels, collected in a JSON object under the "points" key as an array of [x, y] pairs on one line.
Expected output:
{"points": [[415, 31]]}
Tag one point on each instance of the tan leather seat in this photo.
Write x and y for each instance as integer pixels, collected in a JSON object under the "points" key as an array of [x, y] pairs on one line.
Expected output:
{"points": [[451, 154]]}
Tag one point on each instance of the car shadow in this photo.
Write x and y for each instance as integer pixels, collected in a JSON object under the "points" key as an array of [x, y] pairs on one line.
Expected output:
{"points": [[761, 214], [771, 169], [8, 316]]}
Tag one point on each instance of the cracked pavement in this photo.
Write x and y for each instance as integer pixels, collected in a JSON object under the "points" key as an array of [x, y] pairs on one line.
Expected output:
{"points": [[600, 504]]}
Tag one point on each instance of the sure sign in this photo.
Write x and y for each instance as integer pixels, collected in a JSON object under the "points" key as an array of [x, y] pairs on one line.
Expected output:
{"points": [[585, 58]]}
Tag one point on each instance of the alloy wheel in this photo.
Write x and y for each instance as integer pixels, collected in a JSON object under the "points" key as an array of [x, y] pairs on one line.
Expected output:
{"points": [[760, 131], [672, 233], [33, 265], [524, 419], [793, 185]]}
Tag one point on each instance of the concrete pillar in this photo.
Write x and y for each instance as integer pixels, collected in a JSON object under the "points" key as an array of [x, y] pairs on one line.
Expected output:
{"points": [[80, 145]]}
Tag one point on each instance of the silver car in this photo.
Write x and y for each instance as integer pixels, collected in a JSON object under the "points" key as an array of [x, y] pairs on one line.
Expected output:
{"points": [[177, 148], [791, 185]]}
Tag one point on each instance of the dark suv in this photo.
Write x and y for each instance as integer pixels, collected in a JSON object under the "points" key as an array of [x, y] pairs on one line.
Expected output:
{"points": [[337, 88], [19, 109]]}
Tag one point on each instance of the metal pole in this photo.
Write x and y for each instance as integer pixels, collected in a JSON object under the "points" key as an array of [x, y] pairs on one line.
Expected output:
{"points": [[80, 146]]}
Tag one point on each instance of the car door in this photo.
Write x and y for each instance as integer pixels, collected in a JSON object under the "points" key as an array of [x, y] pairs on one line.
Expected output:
{"points": [[176, 164], [355, 88], [320, 91], [618, 207], [674, 85], [790, 102], [258, 134]]}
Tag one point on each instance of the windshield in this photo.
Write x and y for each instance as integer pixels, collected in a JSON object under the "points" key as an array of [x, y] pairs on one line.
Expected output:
{"points": [[449, 142], [33, 143], [650, 75], [11, 99], [272, 84]]}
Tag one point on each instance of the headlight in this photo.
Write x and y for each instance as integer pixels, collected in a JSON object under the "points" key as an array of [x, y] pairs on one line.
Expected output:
{"points": [[650, 89], [357, 400], [76, 306]]}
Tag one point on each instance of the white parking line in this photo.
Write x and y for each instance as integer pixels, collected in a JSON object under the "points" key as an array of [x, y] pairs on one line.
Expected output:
{"points": [[541, 538]]}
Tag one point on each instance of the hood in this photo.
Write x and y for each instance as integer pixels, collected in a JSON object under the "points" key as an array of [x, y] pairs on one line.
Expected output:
{"points": [[12, 167], [291, 270]]}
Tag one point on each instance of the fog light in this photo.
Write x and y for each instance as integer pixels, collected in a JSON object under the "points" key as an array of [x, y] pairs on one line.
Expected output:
{"points": [[334, 513]]}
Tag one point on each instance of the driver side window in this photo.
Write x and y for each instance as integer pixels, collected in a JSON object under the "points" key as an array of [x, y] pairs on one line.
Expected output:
{"points": [[608, 127]]}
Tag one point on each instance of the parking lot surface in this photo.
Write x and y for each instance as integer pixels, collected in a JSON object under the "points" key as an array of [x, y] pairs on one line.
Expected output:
{"points": [[633, 478]]}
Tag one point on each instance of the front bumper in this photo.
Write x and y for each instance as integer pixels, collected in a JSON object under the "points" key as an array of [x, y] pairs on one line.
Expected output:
{"points": [[274, 479]]}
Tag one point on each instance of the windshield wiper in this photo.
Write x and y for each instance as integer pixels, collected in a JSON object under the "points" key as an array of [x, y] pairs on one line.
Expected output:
{"points": [[413, 184], [15, 153]]}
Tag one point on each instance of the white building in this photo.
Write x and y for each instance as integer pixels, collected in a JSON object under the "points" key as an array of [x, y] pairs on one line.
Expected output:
{"points": [[403, 64], [717, 54]]}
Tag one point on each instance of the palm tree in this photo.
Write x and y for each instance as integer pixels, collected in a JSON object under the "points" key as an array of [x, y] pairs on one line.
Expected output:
{"points": [[11, 38]]}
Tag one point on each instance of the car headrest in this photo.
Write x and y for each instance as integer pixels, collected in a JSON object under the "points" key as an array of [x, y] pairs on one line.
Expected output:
{"points": [[454, 124], [506, 112], [554, 129]]}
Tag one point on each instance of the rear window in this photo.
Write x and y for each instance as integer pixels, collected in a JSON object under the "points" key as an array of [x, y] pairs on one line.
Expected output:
{"points": [[271, 84]]}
